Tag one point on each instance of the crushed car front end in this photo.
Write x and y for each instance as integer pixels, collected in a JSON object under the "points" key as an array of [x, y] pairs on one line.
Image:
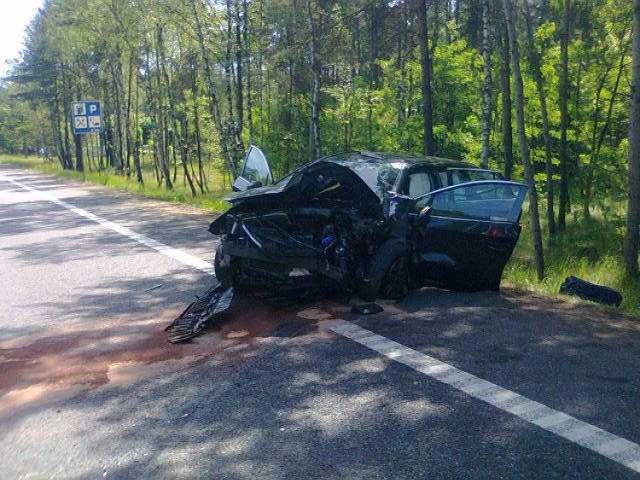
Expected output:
{"points": [[318, 227]]}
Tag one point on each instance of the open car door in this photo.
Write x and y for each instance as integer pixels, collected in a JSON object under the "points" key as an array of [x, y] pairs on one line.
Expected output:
{"points": [[255, 171], [466, 233]]}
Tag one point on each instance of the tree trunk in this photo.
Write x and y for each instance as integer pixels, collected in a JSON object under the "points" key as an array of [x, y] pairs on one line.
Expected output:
{"points": [[486, 91], [537, 75], [136, 136], [377, 27], [118, 112], [77, 140], [522, 139], [633, 210], [428, 143], [401, 91], [239, 81], [261, 77], [214, 105], [196, 123], [66, 115], [597, 142], [228, 77], [564, 115], [178, 141], [507, 127], [247, 59], [57, 132], [314, 134], [127, 119], [162, 125]]}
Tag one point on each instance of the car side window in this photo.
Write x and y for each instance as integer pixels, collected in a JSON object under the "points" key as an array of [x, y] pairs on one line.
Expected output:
{"points": [[462, 175], [420, 183], [483, 201]]}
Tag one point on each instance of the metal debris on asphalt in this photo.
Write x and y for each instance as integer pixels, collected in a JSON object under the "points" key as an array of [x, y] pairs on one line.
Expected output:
{"points": [[155, 287], [199, 314]]}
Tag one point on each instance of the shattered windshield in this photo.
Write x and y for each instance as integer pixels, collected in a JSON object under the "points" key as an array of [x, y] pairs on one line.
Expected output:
{"points": [[379, 176]]}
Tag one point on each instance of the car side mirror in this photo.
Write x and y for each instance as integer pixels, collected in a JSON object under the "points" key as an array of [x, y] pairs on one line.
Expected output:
{"points": [[425, 214]]}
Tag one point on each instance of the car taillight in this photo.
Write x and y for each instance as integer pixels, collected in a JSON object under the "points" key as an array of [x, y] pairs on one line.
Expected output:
{"points": [[495, 232]]}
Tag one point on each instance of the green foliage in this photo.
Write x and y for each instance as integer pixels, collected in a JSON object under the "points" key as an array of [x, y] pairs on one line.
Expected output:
{"points": [[212, 202], [589, 250], [173, 94]]}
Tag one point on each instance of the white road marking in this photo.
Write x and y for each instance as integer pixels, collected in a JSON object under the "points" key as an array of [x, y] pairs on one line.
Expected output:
{"points": [[584, 434], [581, 433], [179, 255]]}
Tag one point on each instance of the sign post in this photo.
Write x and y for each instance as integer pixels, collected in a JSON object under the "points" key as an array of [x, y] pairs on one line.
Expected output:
{"points": [[87, 117]]}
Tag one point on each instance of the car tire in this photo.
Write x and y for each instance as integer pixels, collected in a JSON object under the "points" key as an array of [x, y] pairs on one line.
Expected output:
{"points": [[494, 284], [388, 272], [223, 268]]}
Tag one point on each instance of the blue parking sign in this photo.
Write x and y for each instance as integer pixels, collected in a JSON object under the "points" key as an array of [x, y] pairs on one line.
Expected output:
{"points": [[87, 117]]}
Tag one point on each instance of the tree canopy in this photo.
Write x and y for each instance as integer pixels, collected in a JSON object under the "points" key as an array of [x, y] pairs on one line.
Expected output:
{"points": [[187, 85]]}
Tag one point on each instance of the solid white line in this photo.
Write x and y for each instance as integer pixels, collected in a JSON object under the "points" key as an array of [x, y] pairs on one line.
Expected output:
{"points": [[176, 254], [600, 441], [584, 434]]}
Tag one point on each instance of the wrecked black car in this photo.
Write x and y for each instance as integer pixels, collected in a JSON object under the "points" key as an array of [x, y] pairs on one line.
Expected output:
{"points": [[374, 224]]}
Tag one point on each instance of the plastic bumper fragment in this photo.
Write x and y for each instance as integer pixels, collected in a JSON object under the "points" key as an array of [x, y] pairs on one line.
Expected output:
{"points": [[204, 311]]}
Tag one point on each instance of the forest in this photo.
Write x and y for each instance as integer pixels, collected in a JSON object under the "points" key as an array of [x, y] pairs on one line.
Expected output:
{"points": [[540, 90]]}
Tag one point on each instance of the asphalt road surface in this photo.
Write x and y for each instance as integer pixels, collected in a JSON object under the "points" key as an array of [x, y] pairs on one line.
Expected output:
{"points": [[441, 385]]}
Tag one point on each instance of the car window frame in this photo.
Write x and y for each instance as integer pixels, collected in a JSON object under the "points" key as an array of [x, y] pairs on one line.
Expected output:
{"points": [[449, 173], [403, 185], [269, 178], [512, 217]]}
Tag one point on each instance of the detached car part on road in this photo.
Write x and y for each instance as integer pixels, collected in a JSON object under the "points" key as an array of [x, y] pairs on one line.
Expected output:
{"points": [[375, 224]]}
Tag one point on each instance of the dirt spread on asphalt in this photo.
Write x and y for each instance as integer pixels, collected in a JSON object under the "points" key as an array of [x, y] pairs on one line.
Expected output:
{"points": [[48, 367]]}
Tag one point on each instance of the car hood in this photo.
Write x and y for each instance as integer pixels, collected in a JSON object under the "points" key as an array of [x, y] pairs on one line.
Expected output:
{"points": [[320, 181], [317, 178]]}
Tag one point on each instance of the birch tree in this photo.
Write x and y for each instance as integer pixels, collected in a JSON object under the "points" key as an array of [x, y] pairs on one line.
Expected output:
{"points": [[632, 237], [534, 220]]}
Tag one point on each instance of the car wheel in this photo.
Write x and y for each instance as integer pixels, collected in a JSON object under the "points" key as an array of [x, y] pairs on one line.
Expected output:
{"points": [[395, 284], [388, 272], [494, 284], [223, 268]]}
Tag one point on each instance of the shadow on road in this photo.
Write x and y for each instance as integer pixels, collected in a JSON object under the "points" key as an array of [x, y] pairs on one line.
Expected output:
{"points": [[270, 394]]}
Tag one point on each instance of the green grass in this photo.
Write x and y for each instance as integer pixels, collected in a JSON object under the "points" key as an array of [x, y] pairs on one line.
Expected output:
{"points": [[590, 250], [181, 193]]}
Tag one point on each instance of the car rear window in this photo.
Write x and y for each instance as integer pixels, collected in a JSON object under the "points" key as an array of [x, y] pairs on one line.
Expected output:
{"points": [[464, 175]]}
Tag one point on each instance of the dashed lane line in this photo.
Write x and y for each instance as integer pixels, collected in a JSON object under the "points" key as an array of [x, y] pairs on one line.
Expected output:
{"points": [[179, 255], [576, 431]]}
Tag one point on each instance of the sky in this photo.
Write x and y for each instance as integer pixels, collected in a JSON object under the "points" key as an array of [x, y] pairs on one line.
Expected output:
{"points": [[15, 15]]}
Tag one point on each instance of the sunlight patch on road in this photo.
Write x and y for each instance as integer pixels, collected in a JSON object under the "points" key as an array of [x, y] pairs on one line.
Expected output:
{"points": [[576, 431], [177, 254]]}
